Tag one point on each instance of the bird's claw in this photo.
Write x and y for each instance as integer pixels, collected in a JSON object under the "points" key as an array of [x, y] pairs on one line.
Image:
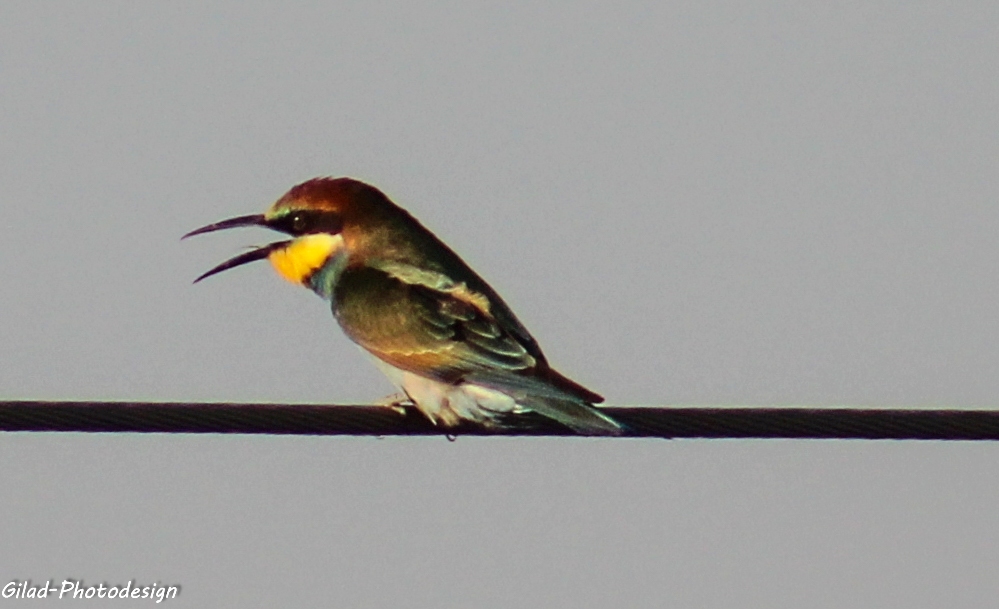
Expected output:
{"points": [[397, 402]]}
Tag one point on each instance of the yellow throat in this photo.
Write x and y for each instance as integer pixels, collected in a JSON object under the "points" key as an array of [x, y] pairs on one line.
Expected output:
{"points": [[304, 256]]}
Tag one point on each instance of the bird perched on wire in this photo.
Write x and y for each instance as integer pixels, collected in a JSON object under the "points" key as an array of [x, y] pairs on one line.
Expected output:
{"points": [[434, 327]]}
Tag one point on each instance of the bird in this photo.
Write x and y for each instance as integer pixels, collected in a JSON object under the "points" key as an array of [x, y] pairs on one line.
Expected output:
{"points": [[437, 330]]}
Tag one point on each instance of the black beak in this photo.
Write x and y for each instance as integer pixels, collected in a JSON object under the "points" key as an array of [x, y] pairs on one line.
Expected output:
{"points": [[258, 254], [254, 220], [253, 255]]}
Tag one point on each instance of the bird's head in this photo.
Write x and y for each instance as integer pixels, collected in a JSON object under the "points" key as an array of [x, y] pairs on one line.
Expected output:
{"points": [[325, 217]]}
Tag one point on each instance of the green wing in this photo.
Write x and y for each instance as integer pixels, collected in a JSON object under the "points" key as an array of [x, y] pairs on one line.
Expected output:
{"points": [[425, 323], [422, 329], [451, 333]]}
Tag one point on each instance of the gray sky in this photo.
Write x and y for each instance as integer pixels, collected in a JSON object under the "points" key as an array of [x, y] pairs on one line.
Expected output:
{"points": [[701, 203]]}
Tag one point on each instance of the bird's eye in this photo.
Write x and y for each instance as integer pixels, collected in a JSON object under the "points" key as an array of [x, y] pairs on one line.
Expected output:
{"points": [[298, 222]]}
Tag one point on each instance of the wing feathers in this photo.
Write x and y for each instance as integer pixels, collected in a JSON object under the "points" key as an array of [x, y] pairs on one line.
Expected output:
{"points": [[424, 323]]}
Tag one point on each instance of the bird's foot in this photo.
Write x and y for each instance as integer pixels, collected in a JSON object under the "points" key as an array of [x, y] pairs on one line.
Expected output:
{"points": [[397, 402]]}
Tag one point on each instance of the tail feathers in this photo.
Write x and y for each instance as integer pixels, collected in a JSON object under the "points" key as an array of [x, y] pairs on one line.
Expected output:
{"points": [[561, 402], [541, 387], [578, 416], [566, 384]]}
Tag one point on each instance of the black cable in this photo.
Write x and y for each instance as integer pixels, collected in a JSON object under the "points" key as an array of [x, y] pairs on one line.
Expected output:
{"points": [[303, 419]]}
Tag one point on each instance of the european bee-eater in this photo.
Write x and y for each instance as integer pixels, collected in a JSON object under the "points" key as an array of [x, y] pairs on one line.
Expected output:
{"points": [[434, 327]]}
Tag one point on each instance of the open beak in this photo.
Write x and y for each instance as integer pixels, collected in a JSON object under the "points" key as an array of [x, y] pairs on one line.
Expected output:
{"points": [[258, 254], [254, 220]]}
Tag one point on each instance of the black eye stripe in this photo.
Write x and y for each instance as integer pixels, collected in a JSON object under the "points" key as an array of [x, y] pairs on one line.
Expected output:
{"points": [[303, 222]]}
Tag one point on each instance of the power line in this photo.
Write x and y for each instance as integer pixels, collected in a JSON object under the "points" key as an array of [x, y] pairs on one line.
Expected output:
{"points": [[641, 422]]}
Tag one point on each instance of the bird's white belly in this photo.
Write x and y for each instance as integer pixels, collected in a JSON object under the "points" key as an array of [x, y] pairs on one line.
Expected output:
{"points": [[448, 404]]}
